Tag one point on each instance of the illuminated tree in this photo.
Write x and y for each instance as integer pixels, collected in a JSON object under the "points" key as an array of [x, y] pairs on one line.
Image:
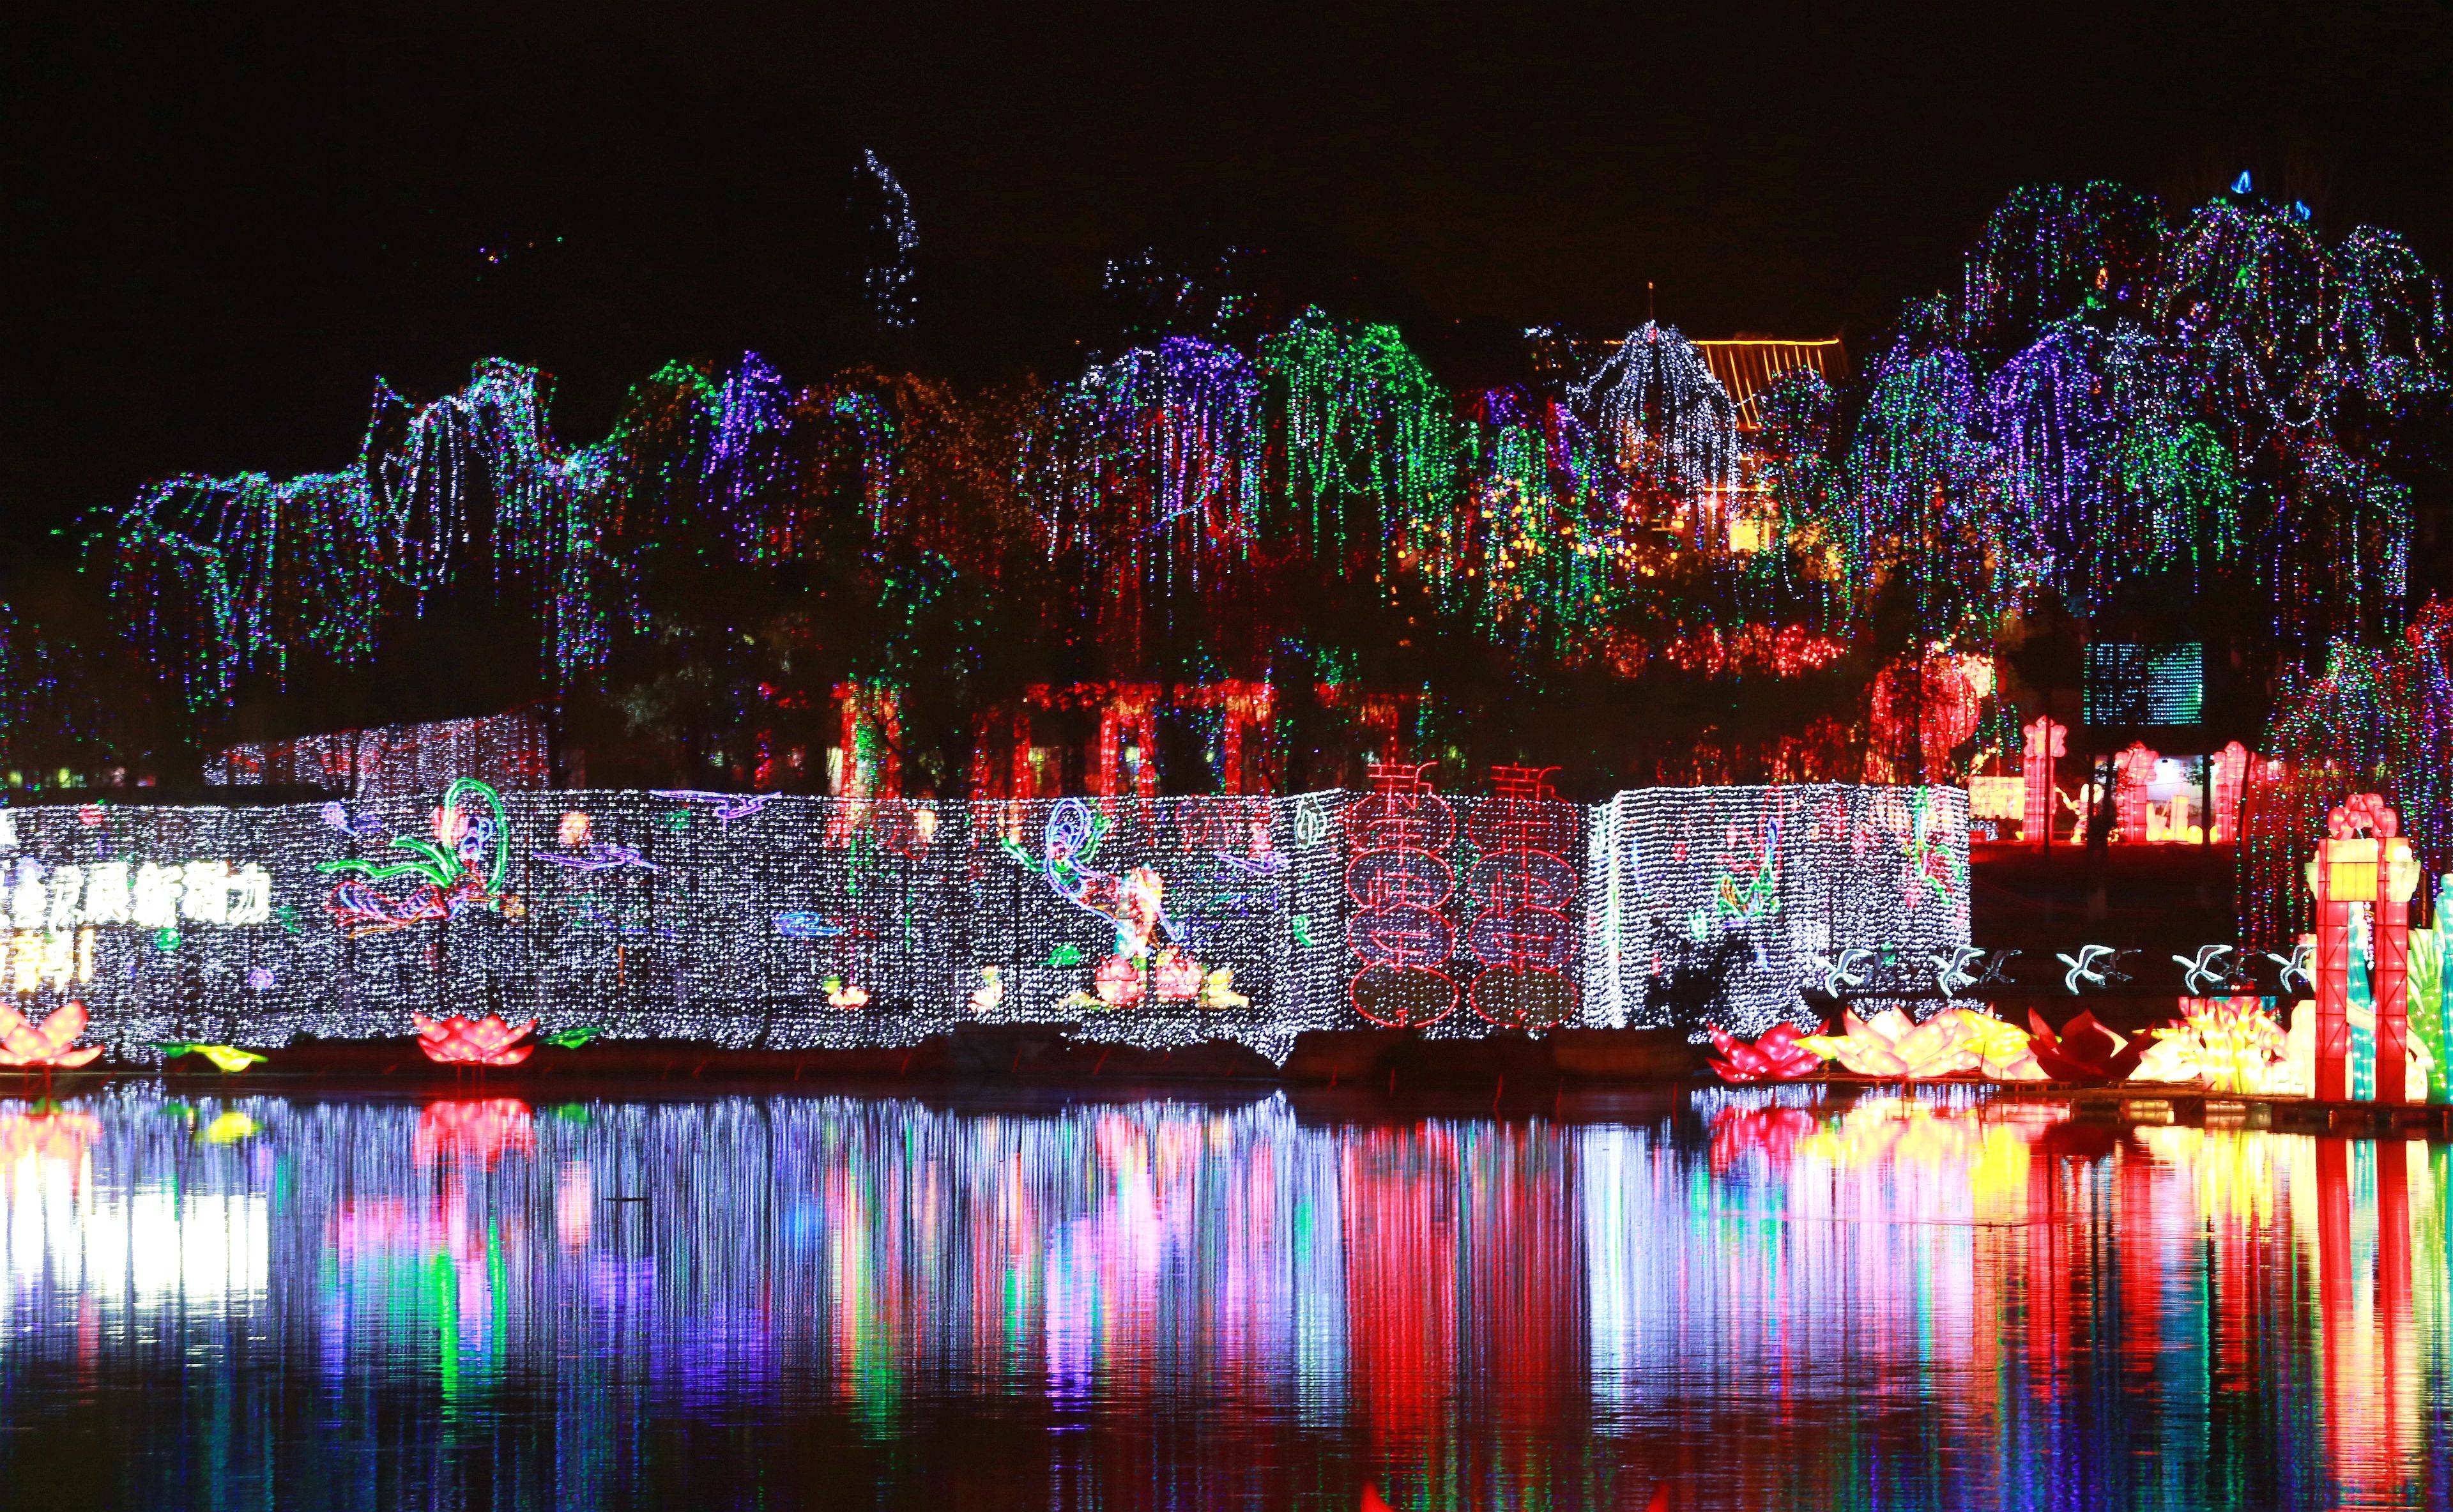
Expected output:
{"points": [[1667, 428]]}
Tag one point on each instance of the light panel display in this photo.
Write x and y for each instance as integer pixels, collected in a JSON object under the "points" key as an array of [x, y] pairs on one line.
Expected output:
{"points": [[2127, 683], [1729, 901], [784, 922]]}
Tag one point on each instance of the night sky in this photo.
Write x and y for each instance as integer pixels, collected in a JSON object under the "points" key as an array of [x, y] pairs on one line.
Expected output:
{"points": [[223, 222]]}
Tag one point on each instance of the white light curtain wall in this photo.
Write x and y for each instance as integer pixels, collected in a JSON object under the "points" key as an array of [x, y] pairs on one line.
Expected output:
{"points": [[784, 922]]}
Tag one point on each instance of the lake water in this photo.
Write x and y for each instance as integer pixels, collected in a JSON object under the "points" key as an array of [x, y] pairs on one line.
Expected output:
{"points": [[1766, 1299]]}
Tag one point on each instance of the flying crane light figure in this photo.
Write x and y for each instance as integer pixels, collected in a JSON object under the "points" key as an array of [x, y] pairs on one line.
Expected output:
{"points": [[1848, 971], [1950, 972], [2301, 963], [2206, 969], [2083, 969]]}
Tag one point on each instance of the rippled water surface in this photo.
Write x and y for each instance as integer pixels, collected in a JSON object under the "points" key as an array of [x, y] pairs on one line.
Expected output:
{"points": [[774, 1302]]}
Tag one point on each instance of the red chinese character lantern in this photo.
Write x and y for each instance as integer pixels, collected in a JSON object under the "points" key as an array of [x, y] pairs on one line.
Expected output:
{"points": [[1524, 936], [1401, 885]]}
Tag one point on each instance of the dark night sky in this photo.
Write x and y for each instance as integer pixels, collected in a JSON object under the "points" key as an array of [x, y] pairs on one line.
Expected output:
{"points": [[222, 221]]}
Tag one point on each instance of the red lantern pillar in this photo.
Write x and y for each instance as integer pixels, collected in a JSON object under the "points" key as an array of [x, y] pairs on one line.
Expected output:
{"points": [[2392, 1001], [2333, 997]]}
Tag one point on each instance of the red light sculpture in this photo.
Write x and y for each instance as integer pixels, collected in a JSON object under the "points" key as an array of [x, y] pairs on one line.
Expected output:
{"points": [[1776, 1057], [2045, 741], [2231, 772], [473, 1042], [2135, 768]]}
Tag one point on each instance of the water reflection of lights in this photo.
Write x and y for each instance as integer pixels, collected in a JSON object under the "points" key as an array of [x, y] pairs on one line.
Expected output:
{"points": [[480, 1129], [118, 1249], [1953, 1296]]}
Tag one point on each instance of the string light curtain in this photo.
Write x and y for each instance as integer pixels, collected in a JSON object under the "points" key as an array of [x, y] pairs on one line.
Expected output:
{"points": [[2376, 720], [1147, 472], [2050, 251], [1370, 446], [777, 922], [2109, 408]]}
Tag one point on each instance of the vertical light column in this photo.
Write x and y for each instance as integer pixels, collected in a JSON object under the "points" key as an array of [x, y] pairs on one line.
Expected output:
{"points": [[2045, 741], [2332, 1083]]}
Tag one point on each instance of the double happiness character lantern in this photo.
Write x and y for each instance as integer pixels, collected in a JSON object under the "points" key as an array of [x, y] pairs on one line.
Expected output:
{"points": [[1524, 936], [1401, 883], [2363, 859]]}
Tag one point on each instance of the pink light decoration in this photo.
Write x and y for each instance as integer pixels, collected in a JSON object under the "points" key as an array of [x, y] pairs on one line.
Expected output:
{"points": [[2046, 742], [27, 1045], [2230, 776], [2133, 768]]}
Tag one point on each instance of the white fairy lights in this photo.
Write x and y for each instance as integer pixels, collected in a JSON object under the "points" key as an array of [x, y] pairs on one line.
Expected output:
{"points": [[1722, 900], [787, 921]]}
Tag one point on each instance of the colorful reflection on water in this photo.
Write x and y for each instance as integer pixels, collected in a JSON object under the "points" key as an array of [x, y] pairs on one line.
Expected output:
{"points": [[1764, 1299]]}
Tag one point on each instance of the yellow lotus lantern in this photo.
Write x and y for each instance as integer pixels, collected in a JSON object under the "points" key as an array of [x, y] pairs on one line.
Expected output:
{"points": [[1956, 1042], [2228, 1045]]}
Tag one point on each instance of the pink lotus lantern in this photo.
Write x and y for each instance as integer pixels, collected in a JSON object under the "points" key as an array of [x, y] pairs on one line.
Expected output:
{"points": [[1119, 982], [473, 1042], [1776, 1057], [27, 1045]]}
